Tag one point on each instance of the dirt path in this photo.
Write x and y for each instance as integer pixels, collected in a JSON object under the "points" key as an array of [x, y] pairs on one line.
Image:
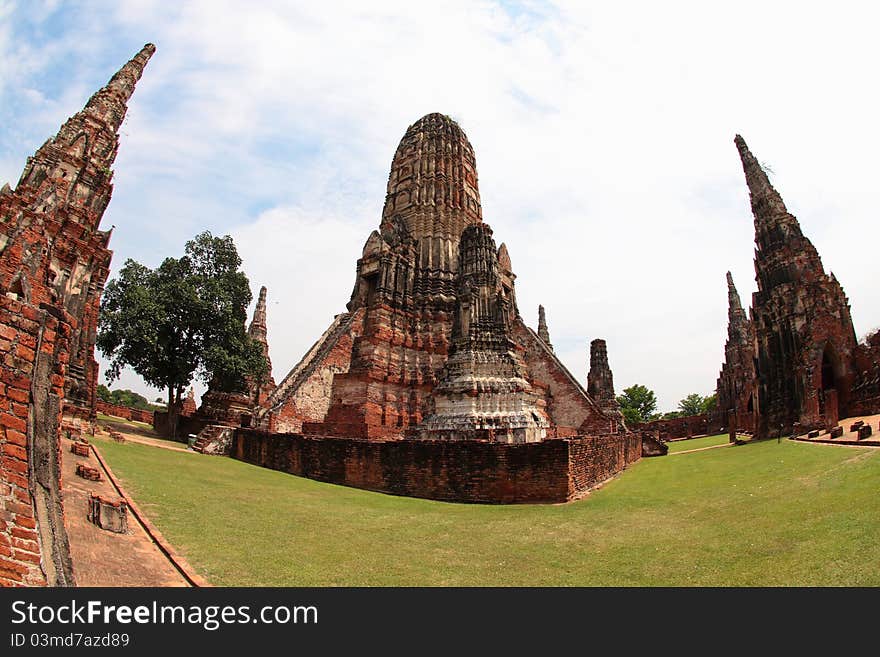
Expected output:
{"points": [[699, 449], [101, 557]]}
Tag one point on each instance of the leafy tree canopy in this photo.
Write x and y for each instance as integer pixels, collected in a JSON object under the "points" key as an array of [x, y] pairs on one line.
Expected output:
{"points": [[637, 403], [696, 404], [127, 398], [186, 318]]}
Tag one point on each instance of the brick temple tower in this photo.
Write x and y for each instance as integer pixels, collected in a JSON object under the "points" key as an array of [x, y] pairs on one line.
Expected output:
{"points": [[736, 387], [804, 336], [54, 262], [483, 391], [600, 381], [432, 310], [260, 390], [54, 252], [543, 331]]}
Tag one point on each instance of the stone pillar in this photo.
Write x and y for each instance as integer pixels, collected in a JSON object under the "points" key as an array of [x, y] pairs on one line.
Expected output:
{"points": [[831, 409], [731, 425]]}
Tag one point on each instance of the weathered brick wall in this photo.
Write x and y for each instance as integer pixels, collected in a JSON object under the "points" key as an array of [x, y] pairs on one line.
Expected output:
{"points": [[186, 425], [567, 402], [866, 391], [125, 412], [34, 345], [465, 471], [679, 427], [304, 394], [593, 459]]}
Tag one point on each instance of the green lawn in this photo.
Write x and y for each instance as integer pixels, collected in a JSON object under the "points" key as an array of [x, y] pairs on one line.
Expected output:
{"points": [[765, 513], [697, 443]]}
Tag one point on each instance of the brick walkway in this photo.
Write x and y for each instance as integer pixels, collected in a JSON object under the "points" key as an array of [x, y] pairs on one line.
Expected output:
{"points": [[103, 558], [850, 438]]}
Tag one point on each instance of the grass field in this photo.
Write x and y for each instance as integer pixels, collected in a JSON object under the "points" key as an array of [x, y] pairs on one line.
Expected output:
{"points": [[766, 513], [698, 443]]}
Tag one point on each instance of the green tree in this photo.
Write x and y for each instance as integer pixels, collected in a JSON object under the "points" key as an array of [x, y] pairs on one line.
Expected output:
{"points": [[691, 405], [637, 403], [710, 402], [184, 319], [104, 393], [695, 404]]}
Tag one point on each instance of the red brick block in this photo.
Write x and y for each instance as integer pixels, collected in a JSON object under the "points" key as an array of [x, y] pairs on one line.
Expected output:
{"points": [[26, 522], [31, 313], [80, 449], [13, 466], [24, 544], [20, 410], [25, 353], [21, 555], [10, 569], [22, 510], [16, 451], [17, 479], [16, 394], [15, 380], [12, 422], [16, 438]]}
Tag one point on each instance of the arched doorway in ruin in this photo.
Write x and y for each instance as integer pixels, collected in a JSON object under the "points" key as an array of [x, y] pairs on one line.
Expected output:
{"points": [[828, 385]]}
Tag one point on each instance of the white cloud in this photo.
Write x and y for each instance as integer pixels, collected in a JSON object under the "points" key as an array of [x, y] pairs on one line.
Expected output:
{"points": [[603, 135]]}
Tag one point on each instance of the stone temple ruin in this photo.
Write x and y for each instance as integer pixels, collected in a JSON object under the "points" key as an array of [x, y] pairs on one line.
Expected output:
{"points": [[432, 368], [794, 365], [54, 261], [433, 343]]}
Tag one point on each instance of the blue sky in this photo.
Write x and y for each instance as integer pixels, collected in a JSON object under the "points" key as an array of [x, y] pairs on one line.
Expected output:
{"points": [[603, 136]]}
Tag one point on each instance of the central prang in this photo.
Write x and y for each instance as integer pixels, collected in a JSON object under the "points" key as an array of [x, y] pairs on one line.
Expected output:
{"points": [[433, 345]]}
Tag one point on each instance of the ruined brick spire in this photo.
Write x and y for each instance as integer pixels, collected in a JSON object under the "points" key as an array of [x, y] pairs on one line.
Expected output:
{"points": [[735, 389], [483, 391], [543, 333], [778, 235], [60, 257], [803, 332], [260, 390], [72, 170], [736, 316], [257, 329], [600, 381], [764, 197], [109, 104], [433, 179]]}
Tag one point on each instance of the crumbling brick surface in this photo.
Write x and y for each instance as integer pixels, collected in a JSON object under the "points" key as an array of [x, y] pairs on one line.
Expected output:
{"points": [[107, 514], [53, 264], [430, 312], [88, 472], [679, 427], [464, 471], [124, 412], [80, 449], [808, 368]]}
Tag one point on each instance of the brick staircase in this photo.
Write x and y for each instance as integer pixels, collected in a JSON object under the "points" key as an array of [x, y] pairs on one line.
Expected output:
{"points": [[213, 439]]}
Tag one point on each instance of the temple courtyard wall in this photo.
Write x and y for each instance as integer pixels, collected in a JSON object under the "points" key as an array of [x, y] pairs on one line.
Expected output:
{"points": [[551, 471]]}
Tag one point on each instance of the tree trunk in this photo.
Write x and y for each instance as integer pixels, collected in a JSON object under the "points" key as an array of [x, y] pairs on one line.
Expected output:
{"points": [[173, 414]]}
